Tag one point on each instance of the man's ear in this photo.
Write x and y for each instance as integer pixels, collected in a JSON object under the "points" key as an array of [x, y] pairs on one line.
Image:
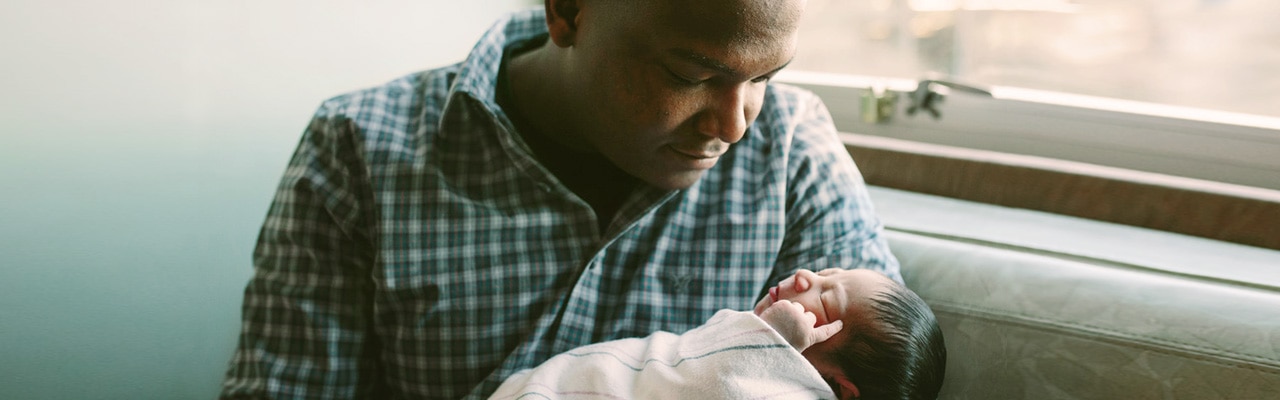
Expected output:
{"points": [[562, 21], [844, 388]]}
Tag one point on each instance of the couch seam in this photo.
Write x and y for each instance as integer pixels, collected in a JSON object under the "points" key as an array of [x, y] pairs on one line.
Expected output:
{"points": [[1245, 361], [1081, 258]]}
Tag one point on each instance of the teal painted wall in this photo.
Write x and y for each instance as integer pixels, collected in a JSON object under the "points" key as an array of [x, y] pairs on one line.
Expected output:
{"points": [[140, 144]]}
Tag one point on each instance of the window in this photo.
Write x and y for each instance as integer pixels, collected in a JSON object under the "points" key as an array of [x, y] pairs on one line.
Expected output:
{"points": [[1179, 87]]}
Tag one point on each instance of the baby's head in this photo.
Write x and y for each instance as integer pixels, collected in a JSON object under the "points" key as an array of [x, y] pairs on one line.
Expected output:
{"points": [[890, 347]]}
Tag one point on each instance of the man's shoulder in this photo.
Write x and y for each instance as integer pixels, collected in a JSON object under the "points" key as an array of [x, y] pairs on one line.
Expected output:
{"points": [[786, 100], [383, 124], [794, 113], [787, 107], [419, 89], [390, 115]]}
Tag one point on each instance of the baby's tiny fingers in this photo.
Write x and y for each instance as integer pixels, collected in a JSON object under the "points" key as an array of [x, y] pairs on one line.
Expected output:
{"points": [[787, 304], [810, 318], [797, 306], [822, 333]]}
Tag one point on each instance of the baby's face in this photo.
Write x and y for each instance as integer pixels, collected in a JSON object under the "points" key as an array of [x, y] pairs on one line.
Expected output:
{"points": [[831, 294]]}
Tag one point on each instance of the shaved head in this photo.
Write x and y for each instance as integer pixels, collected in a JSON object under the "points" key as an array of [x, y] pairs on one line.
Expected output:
{"points": [[742, 22]]}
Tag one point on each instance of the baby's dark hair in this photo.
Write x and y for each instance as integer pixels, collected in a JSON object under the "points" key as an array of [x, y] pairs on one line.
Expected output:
{"points": [[904, 357]]}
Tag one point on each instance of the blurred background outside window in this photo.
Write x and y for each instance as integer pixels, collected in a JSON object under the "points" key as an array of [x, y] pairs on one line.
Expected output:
{"points": [[1213, 54]]}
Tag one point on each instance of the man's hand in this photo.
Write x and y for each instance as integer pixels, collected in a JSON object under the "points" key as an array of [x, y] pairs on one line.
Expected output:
{"points": [[796, 325]]}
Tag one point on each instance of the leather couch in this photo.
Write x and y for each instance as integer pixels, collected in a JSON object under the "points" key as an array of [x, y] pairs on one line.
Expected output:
{"points": [[1042, 306]]}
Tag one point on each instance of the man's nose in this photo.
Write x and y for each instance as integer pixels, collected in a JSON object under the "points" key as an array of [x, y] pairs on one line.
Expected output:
{"points": [[725, 116]]}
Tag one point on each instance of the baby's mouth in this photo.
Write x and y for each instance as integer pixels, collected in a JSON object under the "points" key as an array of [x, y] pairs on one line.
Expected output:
{"points": [[773, 294]]}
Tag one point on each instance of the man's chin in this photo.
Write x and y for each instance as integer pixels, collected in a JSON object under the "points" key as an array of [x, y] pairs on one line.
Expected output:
{"points": [[677, 180]]}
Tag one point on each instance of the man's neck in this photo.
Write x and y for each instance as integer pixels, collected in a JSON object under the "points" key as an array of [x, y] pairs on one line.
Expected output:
{"points": [[538, 110], [538, 96]]}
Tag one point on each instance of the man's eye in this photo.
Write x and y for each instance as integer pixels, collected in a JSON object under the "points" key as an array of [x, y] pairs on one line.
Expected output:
{"points": [[680, 79]]}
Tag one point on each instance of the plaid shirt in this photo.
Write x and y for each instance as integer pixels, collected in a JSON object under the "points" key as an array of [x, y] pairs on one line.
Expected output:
{"points": [[416, 249]]}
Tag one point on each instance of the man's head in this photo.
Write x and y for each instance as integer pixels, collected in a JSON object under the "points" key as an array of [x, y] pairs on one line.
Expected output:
{"points": [[662, 88], [890, 347]]}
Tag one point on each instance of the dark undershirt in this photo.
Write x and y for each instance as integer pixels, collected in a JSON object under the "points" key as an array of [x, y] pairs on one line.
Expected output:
{"points": [[589, 175]]}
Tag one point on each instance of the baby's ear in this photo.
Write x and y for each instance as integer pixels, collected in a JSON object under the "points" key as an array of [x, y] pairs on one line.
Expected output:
{"points": [[843, 387]]}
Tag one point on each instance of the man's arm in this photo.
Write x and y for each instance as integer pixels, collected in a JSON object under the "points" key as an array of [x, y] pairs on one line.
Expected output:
{"points": [[830, 220], [306, 330]]}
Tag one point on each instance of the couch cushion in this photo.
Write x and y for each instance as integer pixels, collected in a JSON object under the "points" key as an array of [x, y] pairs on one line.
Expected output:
{"points": [[1026, 326], [1040, 306]]}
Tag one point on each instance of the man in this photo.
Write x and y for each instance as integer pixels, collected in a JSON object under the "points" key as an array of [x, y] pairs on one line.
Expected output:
{"points": [[606, 170]]}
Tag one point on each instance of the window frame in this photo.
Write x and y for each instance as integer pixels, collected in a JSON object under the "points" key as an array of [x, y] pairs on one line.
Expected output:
{"points": [[1227, 148]]}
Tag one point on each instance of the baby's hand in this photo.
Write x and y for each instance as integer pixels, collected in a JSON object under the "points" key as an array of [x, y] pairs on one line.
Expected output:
{"points": [[796, 325]]}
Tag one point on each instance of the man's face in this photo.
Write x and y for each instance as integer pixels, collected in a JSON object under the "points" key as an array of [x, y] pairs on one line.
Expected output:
{"points": [[667, 86]]}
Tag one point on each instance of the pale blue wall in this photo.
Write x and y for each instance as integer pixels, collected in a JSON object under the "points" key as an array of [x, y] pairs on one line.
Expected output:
{"points": [[140, 143]]}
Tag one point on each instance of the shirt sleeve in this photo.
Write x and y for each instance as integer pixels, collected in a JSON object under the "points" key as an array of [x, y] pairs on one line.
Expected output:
{"points": [[307, 310], [830, 221]]}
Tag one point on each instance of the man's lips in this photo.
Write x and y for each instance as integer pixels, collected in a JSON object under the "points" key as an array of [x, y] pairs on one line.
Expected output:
{"points": [[700, 153]]}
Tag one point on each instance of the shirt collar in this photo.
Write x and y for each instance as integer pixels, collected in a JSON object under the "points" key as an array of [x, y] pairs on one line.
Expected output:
{"points": [[478, 75]]}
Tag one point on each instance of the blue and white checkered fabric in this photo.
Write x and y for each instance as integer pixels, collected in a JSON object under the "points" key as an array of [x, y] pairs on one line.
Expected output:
{"points": [[416, 249]]}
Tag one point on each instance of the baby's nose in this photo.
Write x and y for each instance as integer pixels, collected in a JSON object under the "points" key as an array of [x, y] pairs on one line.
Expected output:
{"points": [[803, 280]]}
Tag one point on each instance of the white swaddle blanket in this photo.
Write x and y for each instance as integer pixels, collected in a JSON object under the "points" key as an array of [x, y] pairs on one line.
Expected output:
{"points": [[735, 355]]}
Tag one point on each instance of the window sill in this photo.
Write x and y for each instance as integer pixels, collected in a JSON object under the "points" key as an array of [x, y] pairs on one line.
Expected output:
{"points": [[1223, 212]]}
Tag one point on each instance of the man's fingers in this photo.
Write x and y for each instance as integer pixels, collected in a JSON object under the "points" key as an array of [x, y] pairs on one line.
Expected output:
{"points": [[822, 333]]}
